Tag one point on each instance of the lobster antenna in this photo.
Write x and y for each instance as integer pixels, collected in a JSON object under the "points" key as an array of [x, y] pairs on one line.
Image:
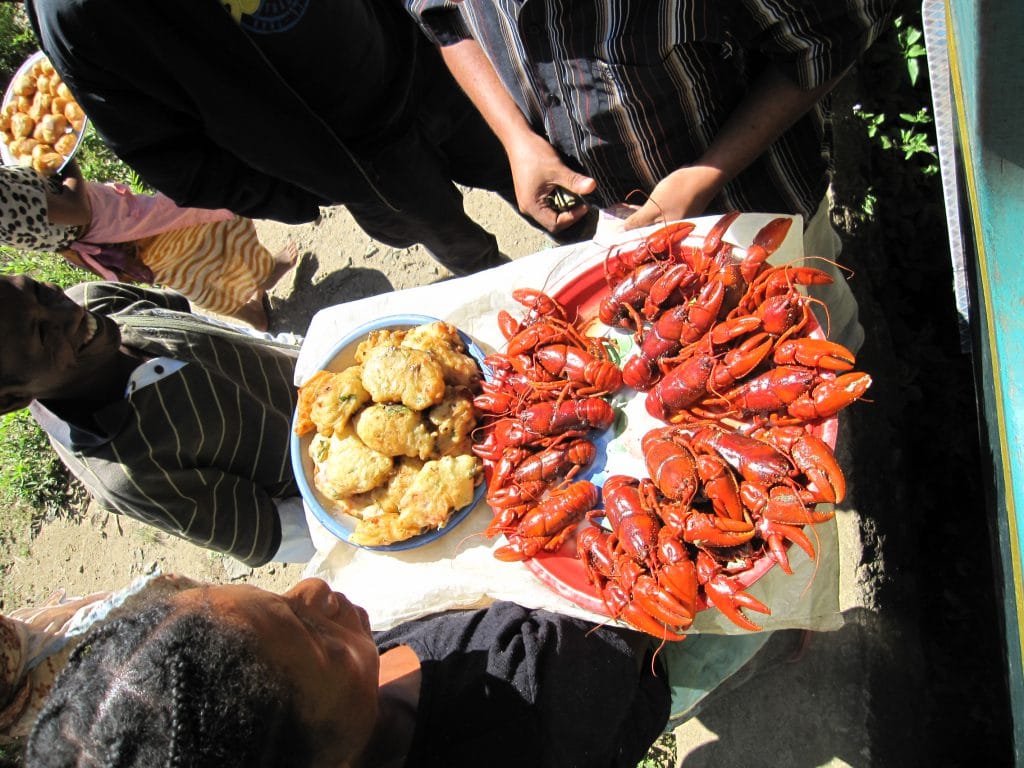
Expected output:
{"points": [[648, 199]]}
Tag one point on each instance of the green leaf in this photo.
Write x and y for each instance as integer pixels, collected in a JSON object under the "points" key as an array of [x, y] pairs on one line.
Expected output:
{"points": [[913, 69]]}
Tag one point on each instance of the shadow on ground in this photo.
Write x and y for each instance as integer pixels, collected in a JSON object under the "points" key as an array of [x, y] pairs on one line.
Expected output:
{"points": [[295, 312]]}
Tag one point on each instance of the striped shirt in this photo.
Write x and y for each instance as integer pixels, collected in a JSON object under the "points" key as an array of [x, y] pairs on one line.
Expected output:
{"points": [[201, 453], [631, 90], [218, 265]]}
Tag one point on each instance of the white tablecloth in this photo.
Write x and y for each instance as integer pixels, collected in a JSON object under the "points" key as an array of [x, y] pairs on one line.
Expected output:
{"points": [[459, 570]]}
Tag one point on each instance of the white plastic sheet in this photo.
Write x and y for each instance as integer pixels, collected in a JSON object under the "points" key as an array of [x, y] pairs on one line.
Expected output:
{"points": [[459, 569]]}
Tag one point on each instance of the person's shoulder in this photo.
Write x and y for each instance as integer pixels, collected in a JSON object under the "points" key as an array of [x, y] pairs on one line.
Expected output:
{"points": [[108, 298]]}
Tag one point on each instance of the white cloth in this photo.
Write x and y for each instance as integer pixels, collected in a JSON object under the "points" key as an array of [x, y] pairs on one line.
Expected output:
{"points": [[822, 246], [296, 541], [458, 570]]}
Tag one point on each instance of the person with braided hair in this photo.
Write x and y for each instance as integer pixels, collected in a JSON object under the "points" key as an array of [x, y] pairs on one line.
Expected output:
{"points": [[164, 688], [231, 675]]}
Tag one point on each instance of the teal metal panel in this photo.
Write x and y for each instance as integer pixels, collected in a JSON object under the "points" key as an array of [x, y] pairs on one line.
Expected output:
{"points": [[986, 47]]}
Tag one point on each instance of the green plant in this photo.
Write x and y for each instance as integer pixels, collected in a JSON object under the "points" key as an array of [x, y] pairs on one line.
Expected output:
{"points": [[897, 118], [10, 757], [911, 43], [911, 140], [16, 39], [662, 753], [30, 472], [42, 266], [98, 163]]}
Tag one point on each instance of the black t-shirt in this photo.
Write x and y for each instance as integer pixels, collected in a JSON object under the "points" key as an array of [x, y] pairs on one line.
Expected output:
{"points": [[351, 62], [511, 686]]}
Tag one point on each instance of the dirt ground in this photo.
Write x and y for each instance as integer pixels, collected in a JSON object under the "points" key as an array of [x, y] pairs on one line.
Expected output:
{"points": [[337, 263]]}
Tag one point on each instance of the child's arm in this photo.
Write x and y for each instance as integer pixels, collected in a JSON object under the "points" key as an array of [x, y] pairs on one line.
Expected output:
{"points": [[69, 205]]}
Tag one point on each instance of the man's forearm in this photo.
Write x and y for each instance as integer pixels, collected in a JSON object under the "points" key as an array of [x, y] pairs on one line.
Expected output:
{"points": [[772, 106], [476, 76]]}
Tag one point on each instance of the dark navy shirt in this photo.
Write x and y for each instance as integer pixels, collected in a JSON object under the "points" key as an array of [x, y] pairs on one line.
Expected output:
{"points": [[631, 91]]}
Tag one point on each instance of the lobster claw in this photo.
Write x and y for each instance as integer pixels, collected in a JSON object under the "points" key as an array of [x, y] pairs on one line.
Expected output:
{"points": [[621, 607], [817, 353], [776, 534], [662, 605], [713, 239], [720, 486], [677, 573], [815, 459], [781, 504], [766, 242], [508, 325], [829, 398], [675, 278], [593, 548], [741, 360], [704, 530], [723, 593]]}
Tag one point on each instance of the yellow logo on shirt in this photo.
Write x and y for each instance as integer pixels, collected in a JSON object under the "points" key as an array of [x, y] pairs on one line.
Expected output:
{"points": [[238, 7]]}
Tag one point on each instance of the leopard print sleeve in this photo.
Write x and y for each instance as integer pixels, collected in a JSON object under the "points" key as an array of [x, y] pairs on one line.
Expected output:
{"points": [[23, 213]]}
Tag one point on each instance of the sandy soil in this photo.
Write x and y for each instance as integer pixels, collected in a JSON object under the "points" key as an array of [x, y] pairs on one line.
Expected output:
{"points": [[337, 263]]}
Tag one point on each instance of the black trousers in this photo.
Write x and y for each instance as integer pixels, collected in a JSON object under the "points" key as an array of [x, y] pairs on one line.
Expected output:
{"points": [[418, 170]]}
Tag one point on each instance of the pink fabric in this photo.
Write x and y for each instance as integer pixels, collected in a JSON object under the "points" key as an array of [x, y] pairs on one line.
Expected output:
{"points": [[121, 216], [86, 252]]}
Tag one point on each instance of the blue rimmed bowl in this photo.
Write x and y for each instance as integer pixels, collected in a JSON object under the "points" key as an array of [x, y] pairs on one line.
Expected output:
{"points": [[340, 357]]}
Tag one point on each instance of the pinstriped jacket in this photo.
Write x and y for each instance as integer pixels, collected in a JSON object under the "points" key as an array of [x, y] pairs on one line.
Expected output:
{"points": [[201, 453], [631, 90]]}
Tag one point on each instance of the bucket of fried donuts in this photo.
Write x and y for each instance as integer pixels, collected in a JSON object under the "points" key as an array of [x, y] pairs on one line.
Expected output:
{"points": [[41, 124], [381, 442]]}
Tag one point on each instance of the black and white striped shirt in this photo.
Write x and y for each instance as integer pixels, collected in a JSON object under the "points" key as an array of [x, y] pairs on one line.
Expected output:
{"points": [[631, 90], [201, 453]]}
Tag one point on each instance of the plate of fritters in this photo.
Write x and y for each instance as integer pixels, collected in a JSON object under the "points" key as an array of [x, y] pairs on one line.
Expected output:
{"points": [[382, 434], [41, 124]]}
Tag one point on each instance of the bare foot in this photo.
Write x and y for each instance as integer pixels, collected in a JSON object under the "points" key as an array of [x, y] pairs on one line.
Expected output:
{"points": [[254, 312], [284, 260]]}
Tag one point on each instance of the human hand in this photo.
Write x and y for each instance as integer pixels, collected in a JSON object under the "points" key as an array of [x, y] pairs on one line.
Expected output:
{"points": [[537, 172], [683, 193]]}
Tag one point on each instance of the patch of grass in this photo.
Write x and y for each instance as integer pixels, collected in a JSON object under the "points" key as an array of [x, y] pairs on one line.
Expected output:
{"points": [[662, 753], [10, 757], [98, 163], [17, 41], [48, 267], [30, 472]]}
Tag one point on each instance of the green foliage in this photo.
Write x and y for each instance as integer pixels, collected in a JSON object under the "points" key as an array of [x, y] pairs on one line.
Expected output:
{"points": [[16, 39], [10, 757], [98, 163], [662, 753], [911, 43], [30, 472], [897, 118], [48, 267]]}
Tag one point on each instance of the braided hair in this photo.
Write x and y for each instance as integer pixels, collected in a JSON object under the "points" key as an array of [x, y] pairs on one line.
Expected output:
{"points": [[165, 688]]}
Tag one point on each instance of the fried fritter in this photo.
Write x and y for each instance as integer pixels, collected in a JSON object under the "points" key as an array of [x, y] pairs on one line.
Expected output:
{"points": [[400, 374], [395, 430], [337, 399], [384, 337], [343, 465], [383, 500], [442, 340], [393, 447], [453, 419], [438, 489], [442, 486]]}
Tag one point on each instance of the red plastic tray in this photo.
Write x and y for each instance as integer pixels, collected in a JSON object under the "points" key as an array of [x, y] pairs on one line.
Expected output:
{"points": [[562, 571]]}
